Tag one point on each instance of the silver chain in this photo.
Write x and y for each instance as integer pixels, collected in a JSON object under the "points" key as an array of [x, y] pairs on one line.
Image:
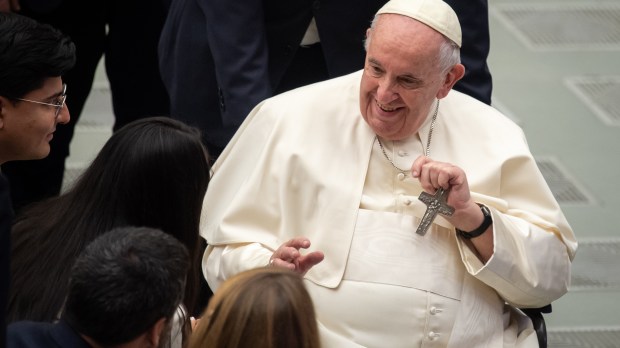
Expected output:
{"points": [[428, 141]]}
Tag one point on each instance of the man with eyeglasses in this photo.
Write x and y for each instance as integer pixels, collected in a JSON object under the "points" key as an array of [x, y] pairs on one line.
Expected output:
{"points": [[58, 102], [126, 33], [33, 57]]}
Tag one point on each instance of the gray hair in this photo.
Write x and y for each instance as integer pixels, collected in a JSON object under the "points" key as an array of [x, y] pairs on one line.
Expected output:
{"points": [[449, 51]]}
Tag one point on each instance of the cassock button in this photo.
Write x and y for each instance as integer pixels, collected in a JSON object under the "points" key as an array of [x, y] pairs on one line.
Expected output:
{"points": [[408, 202], [401, 176], [433, 335], [402, 153], [434, 310]]}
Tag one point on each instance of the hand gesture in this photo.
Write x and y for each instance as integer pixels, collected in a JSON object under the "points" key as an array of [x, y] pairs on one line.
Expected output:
{"points": [[288, 256], [433, 175], [467, 215]]}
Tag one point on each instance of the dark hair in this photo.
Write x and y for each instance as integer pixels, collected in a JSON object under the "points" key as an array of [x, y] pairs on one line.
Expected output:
{"points": [[260, 308], [124, 282], [153, 172], [30, 52]]}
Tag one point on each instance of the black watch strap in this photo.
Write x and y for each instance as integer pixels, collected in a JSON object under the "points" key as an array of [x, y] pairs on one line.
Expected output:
{"points": [[482, 228]]}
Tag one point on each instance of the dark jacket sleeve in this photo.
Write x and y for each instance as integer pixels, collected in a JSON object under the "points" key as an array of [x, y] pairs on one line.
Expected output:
{"points": [[6, 216], [474, 18], [238, 42]]}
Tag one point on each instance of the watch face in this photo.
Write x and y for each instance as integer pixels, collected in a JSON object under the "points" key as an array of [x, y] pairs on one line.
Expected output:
{"points": [[485, 210]]}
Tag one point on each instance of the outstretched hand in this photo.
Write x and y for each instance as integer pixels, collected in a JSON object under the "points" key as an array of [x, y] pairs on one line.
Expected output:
{"points": [[288, 256]]}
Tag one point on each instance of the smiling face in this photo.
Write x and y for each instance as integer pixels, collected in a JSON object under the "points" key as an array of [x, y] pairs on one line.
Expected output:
{"points": [[26, 128], [402, 76]]}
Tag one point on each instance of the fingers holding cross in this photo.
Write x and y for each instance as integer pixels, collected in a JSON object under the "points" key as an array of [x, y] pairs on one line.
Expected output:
{"points": [[433, 175], [467, 215]]}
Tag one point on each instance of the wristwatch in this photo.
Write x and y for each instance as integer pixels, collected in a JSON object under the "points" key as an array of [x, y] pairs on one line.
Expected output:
{"points": [[482, 228]]}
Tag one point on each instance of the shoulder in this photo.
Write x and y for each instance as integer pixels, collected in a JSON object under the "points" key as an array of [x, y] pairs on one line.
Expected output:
{"points": [[302, 120], [26, 334], [29, 334], [471, 118], [325, 100], [317, 113], [467, 106], [478, 137]]}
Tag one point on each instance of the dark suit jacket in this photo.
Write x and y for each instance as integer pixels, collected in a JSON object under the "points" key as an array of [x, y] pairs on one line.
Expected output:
{"points": [[41, 6], [29, 334], [219, 58], [6, 216], [244, 48]]}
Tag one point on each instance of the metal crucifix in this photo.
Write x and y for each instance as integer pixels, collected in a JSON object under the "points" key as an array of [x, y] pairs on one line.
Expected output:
{"points": [[436, 205]]}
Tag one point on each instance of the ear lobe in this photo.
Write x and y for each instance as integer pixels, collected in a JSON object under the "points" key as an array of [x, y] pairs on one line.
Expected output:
{"points": [[452, 77], [155, 332]]}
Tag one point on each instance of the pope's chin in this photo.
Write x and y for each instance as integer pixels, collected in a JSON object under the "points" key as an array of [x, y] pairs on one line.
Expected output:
{"points": [[385, 130], [385, 127]]}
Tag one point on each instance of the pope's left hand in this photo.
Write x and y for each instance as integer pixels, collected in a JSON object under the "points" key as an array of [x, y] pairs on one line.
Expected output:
{"points": [[433, 175], [467, 215]]}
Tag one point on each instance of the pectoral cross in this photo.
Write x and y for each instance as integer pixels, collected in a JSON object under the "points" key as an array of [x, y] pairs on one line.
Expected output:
{"points": [[436, 205]]}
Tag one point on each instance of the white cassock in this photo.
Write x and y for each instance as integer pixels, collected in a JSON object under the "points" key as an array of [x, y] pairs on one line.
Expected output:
{"points": [[305, 163]]}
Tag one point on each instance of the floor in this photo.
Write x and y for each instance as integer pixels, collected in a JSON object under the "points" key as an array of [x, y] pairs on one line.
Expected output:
{"points": [[556, 71]]}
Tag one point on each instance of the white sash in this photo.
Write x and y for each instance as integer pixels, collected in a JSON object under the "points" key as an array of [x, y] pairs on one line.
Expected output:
{"points": [[399, 289], [385, 249]]}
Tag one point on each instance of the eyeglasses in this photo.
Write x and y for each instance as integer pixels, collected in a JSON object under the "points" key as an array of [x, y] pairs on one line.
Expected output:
{"points": [[59, 103]]}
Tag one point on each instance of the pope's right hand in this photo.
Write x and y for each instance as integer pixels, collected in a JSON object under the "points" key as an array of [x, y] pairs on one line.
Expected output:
{"points": [[288, 256]]}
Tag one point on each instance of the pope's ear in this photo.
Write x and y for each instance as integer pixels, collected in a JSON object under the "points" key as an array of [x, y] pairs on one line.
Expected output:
{"points": [[451, 78]]}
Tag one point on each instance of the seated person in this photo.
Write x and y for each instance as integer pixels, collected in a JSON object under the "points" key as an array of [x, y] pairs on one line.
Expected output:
{"points": [[152, 172], [331, 180], [124, 290], [260, 308]]}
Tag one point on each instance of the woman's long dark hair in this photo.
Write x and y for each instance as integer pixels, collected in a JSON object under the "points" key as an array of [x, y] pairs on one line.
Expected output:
{"points": [[153, 172]]}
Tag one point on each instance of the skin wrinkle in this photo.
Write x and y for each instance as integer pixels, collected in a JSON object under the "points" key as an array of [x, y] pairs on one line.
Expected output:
{"points": [[390, 77]]}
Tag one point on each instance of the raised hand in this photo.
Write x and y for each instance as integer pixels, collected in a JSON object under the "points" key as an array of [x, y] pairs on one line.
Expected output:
{"points": [[288, 256]]}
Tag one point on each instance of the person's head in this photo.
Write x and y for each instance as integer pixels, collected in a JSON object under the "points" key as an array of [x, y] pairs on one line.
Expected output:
{"points": [[153, 172], [412, 58], [261, 308], [33, 57], [125, 286]]}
